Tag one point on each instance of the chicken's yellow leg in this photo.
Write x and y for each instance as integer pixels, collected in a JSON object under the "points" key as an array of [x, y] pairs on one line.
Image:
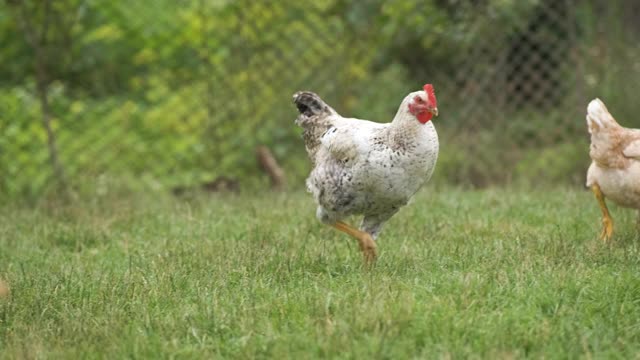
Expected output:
{"points": [[367, 245], [607, 221]]}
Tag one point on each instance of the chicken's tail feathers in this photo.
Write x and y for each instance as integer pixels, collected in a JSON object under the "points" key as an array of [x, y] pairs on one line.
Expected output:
{"points": [[310, 104], [598, 117], [315, 118]]}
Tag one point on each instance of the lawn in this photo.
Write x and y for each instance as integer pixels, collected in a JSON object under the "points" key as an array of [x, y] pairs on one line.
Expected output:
{"points": [[498, 273]]}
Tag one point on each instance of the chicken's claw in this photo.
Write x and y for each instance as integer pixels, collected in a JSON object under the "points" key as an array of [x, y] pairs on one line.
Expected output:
{"points": [[366, 242], [607, 229], [368, 248]]}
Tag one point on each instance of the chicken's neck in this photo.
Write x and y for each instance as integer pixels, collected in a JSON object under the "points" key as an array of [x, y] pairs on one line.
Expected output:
{"points": [[406, 128]]}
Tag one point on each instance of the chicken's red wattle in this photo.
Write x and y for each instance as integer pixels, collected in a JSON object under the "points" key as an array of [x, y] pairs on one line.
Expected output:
{"points": [[424, 117]]}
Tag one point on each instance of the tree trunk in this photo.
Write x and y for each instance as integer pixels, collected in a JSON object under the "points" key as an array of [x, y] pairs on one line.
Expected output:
{"points": [[38, 42], [43, 97], [270, 165]]}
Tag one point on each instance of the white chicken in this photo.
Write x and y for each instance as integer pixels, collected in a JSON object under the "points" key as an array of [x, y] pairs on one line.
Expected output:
{"points": [[367, 168], [615, 168]]}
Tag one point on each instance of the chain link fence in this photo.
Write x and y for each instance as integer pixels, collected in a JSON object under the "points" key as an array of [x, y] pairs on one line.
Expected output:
{"points": [[176, 94]]}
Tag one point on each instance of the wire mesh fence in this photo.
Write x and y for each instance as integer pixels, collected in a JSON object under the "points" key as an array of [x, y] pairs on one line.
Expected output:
{"points": [[176, 93]]}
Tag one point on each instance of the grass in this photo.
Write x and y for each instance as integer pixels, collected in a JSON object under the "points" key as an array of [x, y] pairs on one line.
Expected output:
{"points": [[499, 273]]}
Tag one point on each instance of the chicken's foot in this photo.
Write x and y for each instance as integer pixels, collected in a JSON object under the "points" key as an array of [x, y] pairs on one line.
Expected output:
{"points": [[607, 221], [367, 245]]}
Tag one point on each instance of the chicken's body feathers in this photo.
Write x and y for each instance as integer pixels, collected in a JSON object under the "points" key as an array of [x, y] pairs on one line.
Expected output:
{"points": [[621, 186], [363, 167]]}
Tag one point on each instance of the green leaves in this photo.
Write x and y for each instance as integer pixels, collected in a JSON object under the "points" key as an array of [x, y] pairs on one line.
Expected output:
{"points": [[182, 90]]}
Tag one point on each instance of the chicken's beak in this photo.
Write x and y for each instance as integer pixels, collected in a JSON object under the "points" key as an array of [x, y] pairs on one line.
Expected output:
{"points": [[434, 111]]}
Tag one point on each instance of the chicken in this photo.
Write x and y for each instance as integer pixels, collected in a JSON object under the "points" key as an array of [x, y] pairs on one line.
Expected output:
{"points": [[367, 168], [615, 168]]}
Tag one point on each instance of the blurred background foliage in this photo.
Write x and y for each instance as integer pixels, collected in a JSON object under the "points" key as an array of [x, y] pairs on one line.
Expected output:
{"points": [[174, 93]]}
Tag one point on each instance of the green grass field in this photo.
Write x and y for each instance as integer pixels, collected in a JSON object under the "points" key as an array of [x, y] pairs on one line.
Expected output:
{"points": [[498, 273]]}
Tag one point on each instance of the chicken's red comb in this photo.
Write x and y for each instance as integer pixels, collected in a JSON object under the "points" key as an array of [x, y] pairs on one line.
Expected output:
{"points": [[431, 95]]}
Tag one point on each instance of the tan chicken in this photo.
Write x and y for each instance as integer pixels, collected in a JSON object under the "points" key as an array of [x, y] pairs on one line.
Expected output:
{"points": [[615, 170]]}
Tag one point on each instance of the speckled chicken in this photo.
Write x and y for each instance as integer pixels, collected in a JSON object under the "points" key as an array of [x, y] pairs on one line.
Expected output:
{"points": [[615, 168], [367, 168]]}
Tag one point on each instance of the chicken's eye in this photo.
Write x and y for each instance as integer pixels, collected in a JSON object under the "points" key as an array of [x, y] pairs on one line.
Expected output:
{"points": [[419, 99]]}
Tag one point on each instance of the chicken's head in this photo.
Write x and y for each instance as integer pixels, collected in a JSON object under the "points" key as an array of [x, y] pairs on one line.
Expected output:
{"points": [[424, 105]]}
